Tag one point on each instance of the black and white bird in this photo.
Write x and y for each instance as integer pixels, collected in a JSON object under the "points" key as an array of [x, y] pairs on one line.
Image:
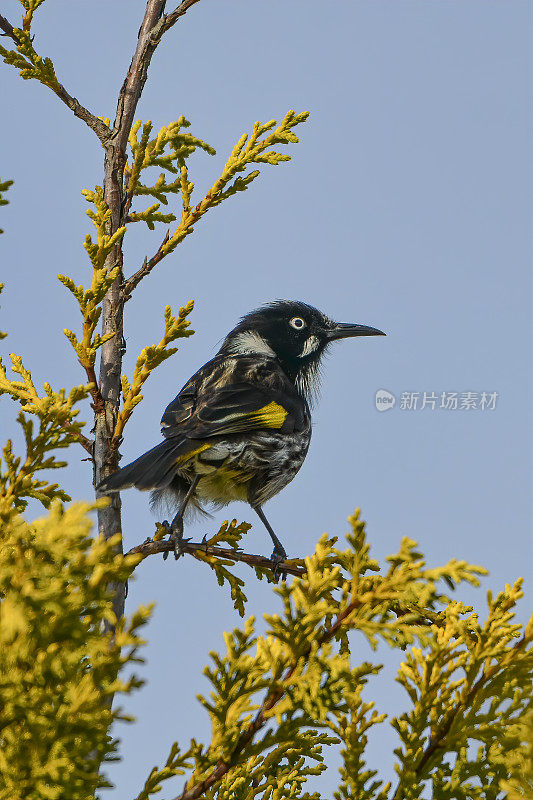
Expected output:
{"points": [[240, 428]]}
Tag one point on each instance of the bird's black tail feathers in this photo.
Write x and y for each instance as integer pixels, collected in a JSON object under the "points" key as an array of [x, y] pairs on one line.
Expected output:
{"points": [[153, 470]]}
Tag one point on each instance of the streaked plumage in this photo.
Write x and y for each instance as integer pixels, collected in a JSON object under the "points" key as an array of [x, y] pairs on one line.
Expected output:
{"points": [[240, 427]]}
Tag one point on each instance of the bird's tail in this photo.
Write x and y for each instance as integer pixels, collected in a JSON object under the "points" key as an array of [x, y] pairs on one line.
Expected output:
{"points": [[153, 470]]}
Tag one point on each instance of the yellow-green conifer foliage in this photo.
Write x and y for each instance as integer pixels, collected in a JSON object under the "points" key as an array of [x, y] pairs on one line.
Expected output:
{"points": [[279, 699], [58, 670]]}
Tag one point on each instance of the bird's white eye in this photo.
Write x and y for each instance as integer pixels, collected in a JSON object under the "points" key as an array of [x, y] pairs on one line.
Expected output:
{"points": [[297, 322]]}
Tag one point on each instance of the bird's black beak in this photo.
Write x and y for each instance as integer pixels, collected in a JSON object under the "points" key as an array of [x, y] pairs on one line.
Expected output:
{"points": [[343, 330]]}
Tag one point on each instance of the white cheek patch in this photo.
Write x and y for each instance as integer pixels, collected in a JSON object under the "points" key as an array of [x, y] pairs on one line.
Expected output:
{"points": [[311, 344], [251, 342]]}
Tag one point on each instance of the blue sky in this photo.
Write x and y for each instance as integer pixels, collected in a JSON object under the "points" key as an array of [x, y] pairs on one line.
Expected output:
{"points": [[407, 206]]}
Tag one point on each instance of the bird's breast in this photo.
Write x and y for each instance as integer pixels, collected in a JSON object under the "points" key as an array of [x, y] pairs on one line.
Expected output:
{"points": [[249, 468]]}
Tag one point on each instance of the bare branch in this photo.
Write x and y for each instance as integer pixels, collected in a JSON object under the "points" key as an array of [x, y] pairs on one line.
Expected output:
{"points": [[151, 547], [99, 127], [86, 443], [98, 400]]}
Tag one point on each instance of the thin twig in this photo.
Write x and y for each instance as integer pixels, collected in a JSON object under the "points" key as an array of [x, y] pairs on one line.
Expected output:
{"points": [[8, 29], [143, 271], [99, 127], [86, 443], [152, 547], [98, 401], [135, 79], [170, 19]]}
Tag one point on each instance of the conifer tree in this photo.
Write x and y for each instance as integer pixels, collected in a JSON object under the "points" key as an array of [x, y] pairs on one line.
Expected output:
{"points": [[279, 700]]}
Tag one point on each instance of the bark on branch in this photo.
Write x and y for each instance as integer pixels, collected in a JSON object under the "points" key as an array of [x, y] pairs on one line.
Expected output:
{"points": [[153, 26]]}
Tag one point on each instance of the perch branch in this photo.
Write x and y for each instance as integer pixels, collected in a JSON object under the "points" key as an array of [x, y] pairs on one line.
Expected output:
{"points": [[151, 547]]}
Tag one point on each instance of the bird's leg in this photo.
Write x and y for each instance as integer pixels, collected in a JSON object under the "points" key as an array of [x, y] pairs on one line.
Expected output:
{"points": [[278, 554], [175, 529]]}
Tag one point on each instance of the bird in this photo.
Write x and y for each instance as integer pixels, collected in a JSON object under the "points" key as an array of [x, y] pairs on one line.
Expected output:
{"points": [[240, 428]]}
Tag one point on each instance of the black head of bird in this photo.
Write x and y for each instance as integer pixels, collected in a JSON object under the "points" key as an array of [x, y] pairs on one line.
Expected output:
{"points": [[295, 333], [240, 427]]}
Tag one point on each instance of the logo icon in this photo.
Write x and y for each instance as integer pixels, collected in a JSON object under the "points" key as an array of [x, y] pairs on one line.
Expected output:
{"points": [[384, 400]]}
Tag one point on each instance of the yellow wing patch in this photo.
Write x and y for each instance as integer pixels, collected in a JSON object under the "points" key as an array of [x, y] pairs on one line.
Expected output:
{"points": [[186, 456], [271, 416]]}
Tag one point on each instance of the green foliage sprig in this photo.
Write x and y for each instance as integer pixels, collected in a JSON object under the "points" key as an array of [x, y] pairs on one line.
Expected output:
{"points": [[473, 685], [170, 150], [58, 428], [90, 300], [18, 481], [57, 407], [229, 533], [148, 152], [519, 780], [252, 149], [58, 669], [25, 58]]}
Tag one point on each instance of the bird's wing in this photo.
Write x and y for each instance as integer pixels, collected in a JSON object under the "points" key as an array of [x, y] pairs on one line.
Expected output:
{"points": [[181, 408], [236, 395], [240, 408], [243, 407]]}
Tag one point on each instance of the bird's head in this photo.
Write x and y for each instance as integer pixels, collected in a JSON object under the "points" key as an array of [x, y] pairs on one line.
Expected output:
{"points": [[293, 332]]}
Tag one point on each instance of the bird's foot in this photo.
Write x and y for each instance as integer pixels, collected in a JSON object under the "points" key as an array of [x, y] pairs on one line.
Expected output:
{"points": [[276, 559], [166, 526], [204, 542], [175, 532]]}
